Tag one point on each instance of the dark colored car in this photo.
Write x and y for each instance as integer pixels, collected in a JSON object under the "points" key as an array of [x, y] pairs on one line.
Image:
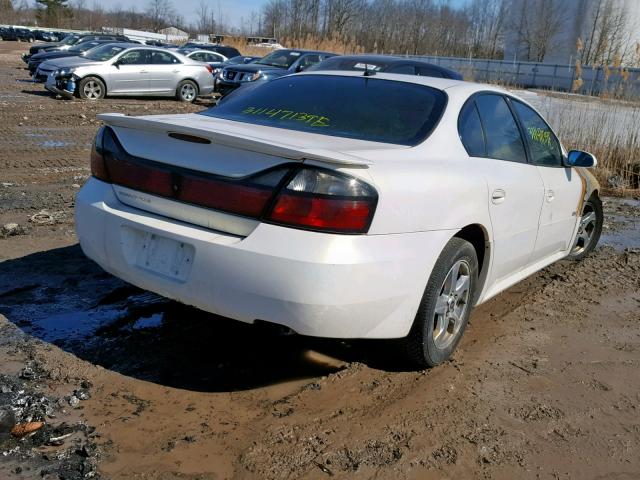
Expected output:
{"points": [[77, 50], [239, 60], [9, 34], [386, 64], [274, 65], [156, 43], [25, 35], [45, 36], [228, 52], [69, 41]]}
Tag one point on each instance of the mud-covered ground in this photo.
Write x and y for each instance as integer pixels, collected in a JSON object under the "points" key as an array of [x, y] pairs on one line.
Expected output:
{"points": [[545, 383]]}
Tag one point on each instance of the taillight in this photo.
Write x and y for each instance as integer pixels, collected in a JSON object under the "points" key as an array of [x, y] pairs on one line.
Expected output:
{"points": [[292, 195], [322, 200], [98, 168], [209, 68]]}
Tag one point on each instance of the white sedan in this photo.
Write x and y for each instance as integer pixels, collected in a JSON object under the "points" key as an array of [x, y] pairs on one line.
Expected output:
{"points": [[340, 205]]}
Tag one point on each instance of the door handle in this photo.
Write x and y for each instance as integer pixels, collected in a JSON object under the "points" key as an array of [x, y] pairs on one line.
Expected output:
{"points": [[550, 195], [143, 71], [498, 196], [175, 71]]}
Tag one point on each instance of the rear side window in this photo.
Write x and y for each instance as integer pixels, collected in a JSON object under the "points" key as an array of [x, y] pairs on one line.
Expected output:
{"points": [[429, 72], [364, 108], [470, 130], [308, 60], [136, 57], [503, 138], [402, 70], [162, 58], [543, 145]]}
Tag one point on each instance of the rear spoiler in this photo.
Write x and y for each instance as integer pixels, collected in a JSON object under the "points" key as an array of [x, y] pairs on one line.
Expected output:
{"points": [[220, 137]]}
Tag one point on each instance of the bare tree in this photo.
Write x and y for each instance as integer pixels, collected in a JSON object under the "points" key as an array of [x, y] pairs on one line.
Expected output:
{"points": [[539, 23], [159, 12]]}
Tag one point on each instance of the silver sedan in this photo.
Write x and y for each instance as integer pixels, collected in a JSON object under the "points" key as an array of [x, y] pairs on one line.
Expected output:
{"points": [[128, 69]]}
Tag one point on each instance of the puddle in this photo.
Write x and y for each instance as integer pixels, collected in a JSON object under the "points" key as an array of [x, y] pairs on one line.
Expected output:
{"points": [[45, 137], [622, 224], [55, 144]]}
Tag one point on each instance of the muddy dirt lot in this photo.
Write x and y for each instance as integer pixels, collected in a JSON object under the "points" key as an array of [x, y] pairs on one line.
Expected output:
{"points": [[545, 383]]}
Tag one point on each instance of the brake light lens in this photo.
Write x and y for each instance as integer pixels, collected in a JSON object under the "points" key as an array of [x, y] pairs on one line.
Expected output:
{"points": [[302, 197], [98, 167], [209, 68], [327, 201]]}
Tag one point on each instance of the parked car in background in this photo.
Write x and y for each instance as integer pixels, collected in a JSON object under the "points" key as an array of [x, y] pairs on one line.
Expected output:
{"points": [[128, 69], [213, 59], [268, 46], [205, 56], [387, 64], [239, 60], [213, 47], [25, 35], [45, 36], [69, 41], [340, 205], [9, 34], [274, 65], [78, 50], [156, 43]]}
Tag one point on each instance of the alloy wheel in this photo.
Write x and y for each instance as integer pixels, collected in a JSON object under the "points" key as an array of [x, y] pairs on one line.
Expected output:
{"points": [[188, 92], [452, 304], [585, 230], [92, 90]]}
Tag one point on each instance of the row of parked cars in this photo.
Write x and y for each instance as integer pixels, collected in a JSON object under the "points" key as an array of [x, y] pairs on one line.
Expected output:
{"points": [[27, 35], [94, 65]]}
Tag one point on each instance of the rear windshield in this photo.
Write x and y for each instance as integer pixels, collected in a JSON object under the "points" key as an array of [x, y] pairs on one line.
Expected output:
{"points": [[364, 108]]}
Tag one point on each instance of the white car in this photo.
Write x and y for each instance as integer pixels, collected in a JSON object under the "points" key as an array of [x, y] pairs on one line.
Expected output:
{"points": [[340, 205]]}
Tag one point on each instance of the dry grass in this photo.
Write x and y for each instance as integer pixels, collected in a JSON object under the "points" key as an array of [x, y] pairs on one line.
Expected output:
{"points": [[310, 42], [608, 130]]}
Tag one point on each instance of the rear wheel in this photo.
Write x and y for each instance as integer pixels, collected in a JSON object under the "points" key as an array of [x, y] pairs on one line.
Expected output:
{"points": [[445, 307], [91, 88], [589, 229], [187, 91]]}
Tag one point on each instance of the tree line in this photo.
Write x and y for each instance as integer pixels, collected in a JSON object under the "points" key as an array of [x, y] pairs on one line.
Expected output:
{"points": [[478, 29]]}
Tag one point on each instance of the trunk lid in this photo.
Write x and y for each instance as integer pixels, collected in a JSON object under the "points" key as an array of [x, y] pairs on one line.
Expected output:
{"points": [[228, 149]]}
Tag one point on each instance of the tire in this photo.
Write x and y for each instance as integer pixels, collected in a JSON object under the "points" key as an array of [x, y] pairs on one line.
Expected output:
{"points": [[187, 91], [91, 88], [436, 332], [588, 235]]}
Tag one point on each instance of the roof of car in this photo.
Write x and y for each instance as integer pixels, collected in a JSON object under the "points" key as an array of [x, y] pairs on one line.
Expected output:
{"points": [[434, 82]]}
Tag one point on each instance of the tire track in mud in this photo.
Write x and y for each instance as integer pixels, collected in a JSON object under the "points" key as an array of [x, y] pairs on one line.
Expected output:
{"points": [[466, 416]]}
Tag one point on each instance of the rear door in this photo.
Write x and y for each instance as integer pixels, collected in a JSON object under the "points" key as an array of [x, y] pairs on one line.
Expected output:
{"points": [[165, 72], [130, 74], [563, 185], [491, 136]]}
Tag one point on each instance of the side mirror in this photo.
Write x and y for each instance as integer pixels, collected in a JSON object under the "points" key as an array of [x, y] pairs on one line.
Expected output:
{"points": [[116, 64], [299, 68], [578, 158]]}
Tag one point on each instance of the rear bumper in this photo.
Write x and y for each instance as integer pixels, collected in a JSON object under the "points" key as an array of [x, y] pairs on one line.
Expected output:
{"points": [[205, 90], [325, 285]]}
